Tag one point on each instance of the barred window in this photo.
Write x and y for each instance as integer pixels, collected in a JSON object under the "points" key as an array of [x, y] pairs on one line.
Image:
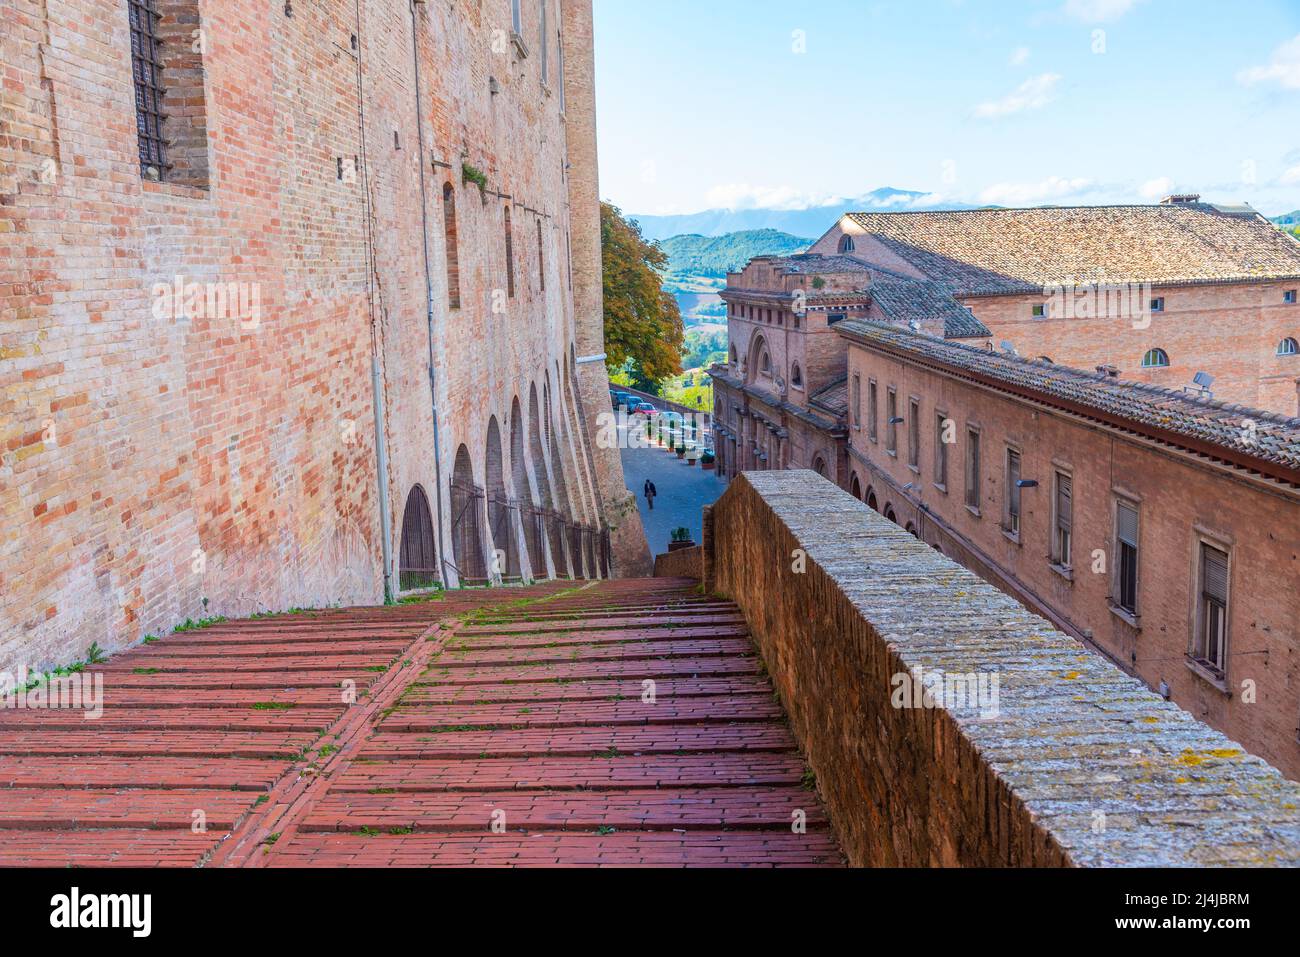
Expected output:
{"points": [[147, 70]]}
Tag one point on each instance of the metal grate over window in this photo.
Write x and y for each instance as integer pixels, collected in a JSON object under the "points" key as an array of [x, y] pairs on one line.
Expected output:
{"points": [[146, 68]]}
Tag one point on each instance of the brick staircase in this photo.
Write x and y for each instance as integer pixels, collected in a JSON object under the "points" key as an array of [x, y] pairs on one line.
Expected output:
{"points": [[508, 727]]}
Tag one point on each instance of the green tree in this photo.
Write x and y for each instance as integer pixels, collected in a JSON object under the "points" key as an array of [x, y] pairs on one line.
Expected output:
{"points": [[643, 324]]}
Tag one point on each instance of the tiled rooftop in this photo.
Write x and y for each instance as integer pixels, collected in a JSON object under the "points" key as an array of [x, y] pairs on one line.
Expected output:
{"points": [[910, 300], [1265, 437], [990, 251], [834, 398]]}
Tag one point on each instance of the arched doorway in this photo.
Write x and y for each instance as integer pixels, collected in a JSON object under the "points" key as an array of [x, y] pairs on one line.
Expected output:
{"points": [[498, 505], [466, 521], [537, 452], [418, 555]]}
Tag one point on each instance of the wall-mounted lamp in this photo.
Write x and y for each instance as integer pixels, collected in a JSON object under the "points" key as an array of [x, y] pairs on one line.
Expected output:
{"points": [[1027, 483], [897, 420]]}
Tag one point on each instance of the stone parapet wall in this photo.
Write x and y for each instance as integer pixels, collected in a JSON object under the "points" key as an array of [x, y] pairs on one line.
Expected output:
{"points": [[1076, 763], [683, 563]]}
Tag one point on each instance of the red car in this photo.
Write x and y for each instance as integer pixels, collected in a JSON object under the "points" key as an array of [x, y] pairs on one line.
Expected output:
{"points": [[644, 408]]}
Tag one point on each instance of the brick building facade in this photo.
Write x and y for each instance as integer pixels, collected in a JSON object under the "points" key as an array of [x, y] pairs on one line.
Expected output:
{"points": [[1158, 524], [288, 310]]}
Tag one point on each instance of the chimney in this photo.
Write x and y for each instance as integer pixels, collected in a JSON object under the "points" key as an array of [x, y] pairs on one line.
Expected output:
{"points": [[1181, 199]]}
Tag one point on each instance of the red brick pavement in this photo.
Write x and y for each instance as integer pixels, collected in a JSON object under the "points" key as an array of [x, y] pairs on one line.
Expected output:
{"points": [[502, 728]]}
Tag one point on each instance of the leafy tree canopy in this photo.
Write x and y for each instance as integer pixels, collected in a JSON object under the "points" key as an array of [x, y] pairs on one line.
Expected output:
{"points": [[643, 323]]}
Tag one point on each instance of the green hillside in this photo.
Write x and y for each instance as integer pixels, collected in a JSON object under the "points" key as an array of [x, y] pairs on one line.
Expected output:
{"points": [[698, 266]]}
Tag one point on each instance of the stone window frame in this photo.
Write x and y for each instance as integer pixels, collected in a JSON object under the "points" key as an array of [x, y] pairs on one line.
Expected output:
{"points": [[873, 410], [855, 401], [1064, 568], [914, 433], [974, 455], [1009, 489], [942, 461], [796, 376], [891, 427], [1203, 538], [1133, 618]]}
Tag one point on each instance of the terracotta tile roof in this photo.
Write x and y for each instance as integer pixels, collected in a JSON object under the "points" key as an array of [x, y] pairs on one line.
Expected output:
{"points": [[813, 264], [1250, 438], [992, 251], [910, 300], [834, 398]]}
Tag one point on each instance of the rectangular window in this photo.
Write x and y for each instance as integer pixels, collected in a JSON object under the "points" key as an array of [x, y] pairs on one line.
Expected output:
{"points": [[147, 70], [891, 426], [872, 410], [1158, 304], [857, 401], [545, 45], [1012, 524], [1126, 548], [517, 17], [941, 426], [1210, 642], [1063, 533], [559, 80], [1289, 296], [914, 434], [973, 469], [1040, 310]]}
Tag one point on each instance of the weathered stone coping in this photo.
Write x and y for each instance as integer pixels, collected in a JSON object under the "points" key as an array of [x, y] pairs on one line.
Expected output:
{"points": [[1082, 765]]}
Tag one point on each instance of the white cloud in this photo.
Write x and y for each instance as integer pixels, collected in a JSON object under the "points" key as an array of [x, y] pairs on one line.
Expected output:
{"points": [[1157, 188], [1284, 68], [1054, 188], [1033, 94], [1098, 11], [1291, 177], [1019, 56], [744, 196]]}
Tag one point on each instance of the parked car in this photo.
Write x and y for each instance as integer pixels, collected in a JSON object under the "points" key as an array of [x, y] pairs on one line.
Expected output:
{"points": [[645, 408], [620, 398]]}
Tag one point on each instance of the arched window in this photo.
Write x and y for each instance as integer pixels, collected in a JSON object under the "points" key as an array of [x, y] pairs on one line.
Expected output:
{"points": [[453, 253], [418, 562], [734, 359], [889, 513], [819, 466], [796, 377], [1155, 359], [510, 256], [765, 363], [855, 488], [1047, 359], [846, 244], [1288, 347], [911, 529], [872, 501]]}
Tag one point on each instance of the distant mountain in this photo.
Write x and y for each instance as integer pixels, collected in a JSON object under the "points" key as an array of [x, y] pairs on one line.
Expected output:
{"points": [[1290, 219], [814, 221], [696, 255]]}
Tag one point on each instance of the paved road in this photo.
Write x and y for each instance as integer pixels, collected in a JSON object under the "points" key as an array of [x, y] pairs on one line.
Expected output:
{"points": [[684, 490]]}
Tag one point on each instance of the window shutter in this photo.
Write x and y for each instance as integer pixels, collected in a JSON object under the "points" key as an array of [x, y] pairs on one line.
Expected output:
{"points": [[1215, 573], [1064, 501], [1126, 520]]}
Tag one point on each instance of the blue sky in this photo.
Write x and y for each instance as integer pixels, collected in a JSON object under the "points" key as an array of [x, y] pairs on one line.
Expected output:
{"points": [[711, 103]]}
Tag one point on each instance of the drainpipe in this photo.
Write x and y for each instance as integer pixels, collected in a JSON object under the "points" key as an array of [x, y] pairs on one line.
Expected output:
{"points": [[428, 289], [376, 383]]}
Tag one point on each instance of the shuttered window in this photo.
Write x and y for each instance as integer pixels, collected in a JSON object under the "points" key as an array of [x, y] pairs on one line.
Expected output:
{"points": [[973, 468], [914, 434], [940, 450], [1211, 640], [1013, 492], [1126, 539], [1063, 538], [872, 411], [891, 427]]}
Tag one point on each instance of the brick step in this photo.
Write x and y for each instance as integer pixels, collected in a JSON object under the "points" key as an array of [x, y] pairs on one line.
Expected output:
{"points": [[686, 648], [656, 669], [580, 742], [503, 774], [235, 648], [582, 638], [107, 848], [697, 848], [150, 696], [172, 719], [619, 613], [56, 743], [570, 714], [218, 664], [221, 635], [588, 690], [227, 774], [771, 808], [638, 622], [265, 681], [41, 809]]}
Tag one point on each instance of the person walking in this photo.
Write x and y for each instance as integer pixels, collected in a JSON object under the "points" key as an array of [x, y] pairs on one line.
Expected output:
{"points": [[650, 492]]}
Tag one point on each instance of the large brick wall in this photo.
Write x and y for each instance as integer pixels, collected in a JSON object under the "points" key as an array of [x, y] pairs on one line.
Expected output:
{"points": [[156, 467], [1078, 764]]}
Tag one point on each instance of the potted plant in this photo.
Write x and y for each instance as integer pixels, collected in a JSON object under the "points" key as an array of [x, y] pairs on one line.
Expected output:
{"points": [[680, 538], [707, 461], [680, 449]]}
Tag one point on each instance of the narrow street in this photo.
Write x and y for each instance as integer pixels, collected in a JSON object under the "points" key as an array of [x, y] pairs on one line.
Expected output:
{"points": [[684, 490]]}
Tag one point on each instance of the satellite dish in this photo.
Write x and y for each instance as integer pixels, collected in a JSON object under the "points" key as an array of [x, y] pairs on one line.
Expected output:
{"points": [[1007, 347], [1203, 379]]}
